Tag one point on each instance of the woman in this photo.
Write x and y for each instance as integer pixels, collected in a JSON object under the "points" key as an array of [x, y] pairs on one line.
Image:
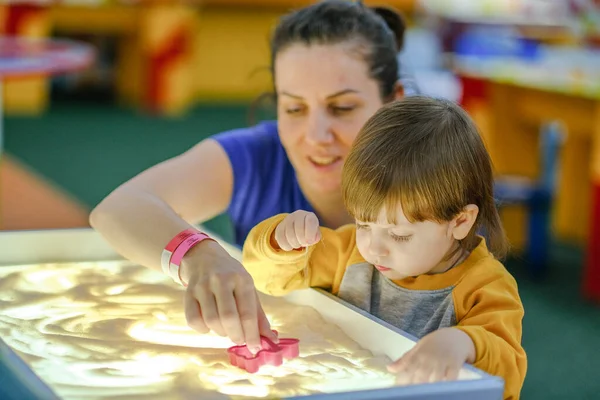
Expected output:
{"points": [[334, 64]]}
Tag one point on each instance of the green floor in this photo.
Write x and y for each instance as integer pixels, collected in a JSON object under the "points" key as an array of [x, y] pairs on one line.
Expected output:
{"points": [[88, 149]]}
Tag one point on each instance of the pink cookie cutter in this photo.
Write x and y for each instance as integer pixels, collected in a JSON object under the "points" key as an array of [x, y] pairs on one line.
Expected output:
{"points": [[270, 354]]}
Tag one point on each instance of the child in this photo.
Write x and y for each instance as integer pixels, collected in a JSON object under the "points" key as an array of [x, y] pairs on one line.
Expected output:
{"points": [[418, 182]]}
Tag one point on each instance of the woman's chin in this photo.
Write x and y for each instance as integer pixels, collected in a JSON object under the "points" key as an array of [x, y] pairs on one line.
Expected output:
{"points": [[321, 185], [326, 189]]}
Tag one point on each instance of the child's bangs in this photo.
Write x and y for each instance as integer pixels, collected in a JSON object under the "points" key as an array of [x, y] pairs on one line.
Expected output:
{"points": [[415, 202], [364, 199], [365, 196]]}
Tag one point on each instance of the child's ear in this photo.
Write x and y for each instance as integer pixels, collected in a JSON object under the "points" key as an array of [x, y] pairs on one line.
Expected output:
{"points": [[464, 221]]}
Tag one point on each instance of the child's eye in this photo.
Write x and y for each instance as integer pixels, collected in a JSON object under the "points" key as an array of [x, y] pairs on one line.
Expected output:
{"points": [[398, 238], [361, 226]]}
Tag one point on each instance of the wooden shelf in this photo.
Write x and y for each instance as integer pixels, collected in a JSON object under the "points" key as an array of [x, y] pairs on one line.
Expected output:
{"points": [[114, 19], [403, 5]]}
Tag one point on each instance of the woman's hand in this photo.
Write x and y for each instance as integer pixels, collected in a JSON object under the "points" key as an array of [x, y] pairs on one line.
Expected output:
{"points": [[297, 230], [436, 357], [221, 296]]}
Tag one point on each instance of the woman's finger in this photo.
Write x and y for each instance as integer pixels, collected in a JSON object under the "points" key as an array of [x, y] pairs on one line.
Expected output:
{"points": [[264, 326], [193, 315], [208, 308], [228, 312], [246, 303]]}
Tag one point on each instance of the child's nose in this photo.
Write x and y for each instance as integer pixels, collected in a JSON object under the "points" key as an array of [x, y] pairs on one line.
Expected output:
{"points": [[378, 249]]}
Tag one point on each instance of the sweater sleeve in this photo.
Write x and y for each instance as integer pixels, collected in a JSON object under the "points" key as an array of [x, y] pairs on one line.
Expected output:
{"points": [[278, 272], [489, 310]]}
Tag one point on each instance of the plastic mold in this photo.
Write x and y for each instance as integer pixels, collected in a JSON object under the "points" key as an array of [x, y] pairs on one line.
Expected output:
{"points": [[270, 354]]}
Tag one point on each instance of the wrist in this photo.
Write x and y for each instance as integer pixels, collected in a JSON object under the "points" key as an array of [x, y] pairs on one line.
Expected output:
{"points": [[204, 253]]}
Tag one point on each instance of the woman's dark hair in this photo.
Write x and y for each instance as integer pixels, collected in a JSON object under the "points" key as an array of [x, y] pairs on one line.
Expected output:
{"points": [[378, 31]]}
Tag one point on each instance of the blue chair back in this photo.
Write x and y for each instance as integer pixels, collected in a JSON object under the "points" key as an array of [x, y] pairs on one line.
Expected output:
{"points": [[551, 140]]}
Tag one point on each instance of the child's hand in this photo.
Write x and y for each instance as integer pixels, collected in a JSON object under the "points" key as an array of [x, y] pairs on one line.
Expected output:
{"points": [[297, 230], [436, 357]]}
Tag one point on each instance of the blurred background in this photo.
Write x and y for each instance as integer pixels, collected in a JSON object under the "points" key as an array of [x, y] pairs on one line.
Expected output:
{"points": [[167, 74]]}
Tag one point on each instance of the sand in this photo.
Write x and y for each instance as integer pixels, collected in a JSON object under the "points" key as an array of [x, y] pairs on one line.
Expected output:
{"points": [[115, 330]]}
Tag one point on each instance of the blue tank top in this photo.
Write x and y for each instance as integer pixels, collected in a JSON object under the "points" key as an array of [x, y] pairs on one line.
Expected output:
{"points": [[264, 181]]}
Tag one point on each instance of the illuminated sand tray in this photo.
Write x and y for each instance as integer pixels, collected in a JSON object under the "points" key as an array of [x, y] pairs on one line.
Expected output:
{"points": [[116, 330]]}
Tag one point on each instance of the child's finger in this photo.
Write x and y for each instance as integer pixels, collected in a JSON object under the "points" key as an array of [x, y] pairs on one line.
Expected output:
{"points": [[312, 232], [281, 238], [403, 362], [290, 234], [438, 374], [452, 373], [403, 379], [422, 374], [398, 366], [406, 374], [299, 230]]}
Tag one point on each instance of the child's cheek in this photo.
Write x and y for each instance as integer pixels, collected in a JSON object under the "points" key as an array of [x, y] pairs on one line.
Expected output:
{"points": [[362, 242]]}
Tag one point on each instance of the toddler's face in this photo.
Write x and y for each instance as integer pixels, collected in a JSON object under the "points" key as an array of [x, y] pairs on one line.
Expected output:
{"points": [[405, 249]]}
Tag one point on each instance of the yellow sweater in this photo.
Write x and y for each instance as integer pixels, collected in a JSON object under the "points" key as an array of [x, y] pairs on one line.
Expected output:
{"points": [[478, 296]]}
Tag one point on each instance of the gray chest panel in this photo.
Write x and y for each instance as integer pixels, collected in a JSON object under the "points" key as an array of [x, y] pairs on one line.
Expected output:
{"points": [[417, 312]]}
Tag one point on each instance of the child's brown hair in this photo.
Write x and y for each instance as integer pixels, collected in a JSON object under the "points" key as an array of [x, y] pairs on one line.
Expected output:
{"points": [[426, 155]]}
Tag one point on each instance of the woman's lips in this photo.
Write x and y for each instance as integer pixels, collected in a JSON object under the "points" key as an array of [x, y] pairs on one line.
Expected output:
{"points": [[324, 162]]}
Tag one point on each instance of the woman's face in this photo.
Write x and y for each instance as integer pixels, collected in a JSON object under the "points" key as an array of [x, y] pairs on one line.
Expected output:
{"points": [[324, 96]]}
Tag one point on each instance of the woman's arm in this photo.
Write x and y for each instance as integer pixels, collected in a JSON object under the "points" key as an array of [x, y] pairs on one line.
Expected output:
{"points": [[142, 215]]}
